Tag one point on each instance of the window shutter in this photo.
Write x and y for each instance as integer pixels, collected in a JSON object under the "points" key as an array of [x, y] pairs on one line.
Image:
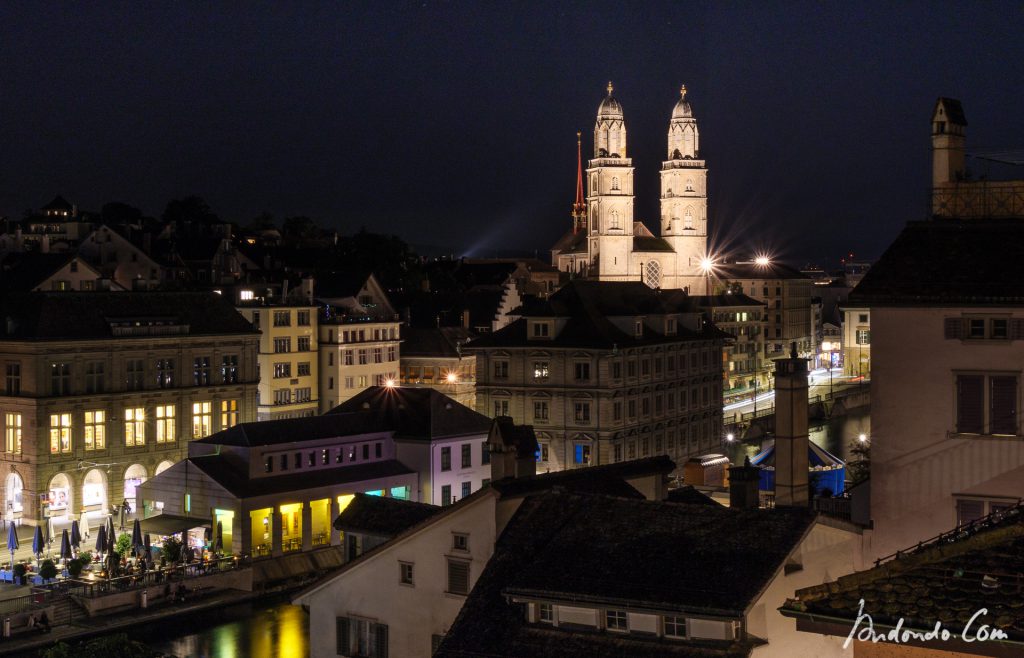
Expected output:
{"points": [[1003, 418], [382, 640], [970, 399], [954, 328], [458, 577], [1016, 329], [344, 643]]}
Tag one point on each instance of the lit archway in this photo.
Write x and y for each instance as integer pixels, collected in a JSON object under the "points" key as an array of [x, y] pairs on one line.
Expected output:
{"points": [[134, 475], [13, 487], [163, 466], [60, 495], [94, 491]]}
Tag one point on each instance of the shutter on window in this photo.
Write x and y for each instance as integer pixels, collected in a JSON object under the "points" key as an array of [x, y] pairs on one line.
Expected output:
{"points": [[382, 640], [954, 328], [458, 577], [1016, 329], [1003, 417], [970, 398], [344, 643]]}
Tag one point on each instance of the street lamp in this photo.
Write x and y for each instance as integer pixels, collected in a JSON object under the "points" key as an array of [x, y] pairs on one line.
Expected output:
{"points": [[862, 437], [730, 437], [707, 264]]}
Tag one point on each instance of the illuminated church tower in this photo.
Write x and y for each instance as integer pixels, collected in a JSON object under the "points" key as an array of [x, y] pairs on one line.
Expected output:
{"points": [[610, 195], [684, 197]]}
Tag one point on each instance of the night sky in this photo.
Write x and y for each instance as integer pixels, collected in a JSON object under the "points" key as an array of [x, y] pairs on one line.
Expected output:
{"points": [[453, 124]]}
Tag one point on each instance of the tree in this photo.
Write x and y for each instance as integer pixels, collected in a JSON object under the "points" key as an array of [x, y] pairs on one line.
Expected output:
{"points": [[116, 212], [192, 210], [47, 570], [124, 544], [859, 466], [262, 221], [108, 646], [299, 228], [75, 567], [172, 550]]}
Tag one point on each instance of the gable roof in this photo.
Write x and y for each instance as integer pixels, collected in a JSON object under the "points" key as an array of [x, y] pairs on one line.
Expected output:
{"points": [[291, 430], [378, 515], [948, 262], [631, 553], [23, 271], [607, 478], [88, 315], [58, 203], [953, 108], [521, 438], [434, 341], [421, 413]]}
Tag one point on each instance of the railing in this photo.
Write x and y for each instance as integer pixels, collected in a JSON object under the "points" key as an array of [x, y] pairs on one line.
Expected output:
{"points": [[100, 586], [766, 499], [838, 507]]}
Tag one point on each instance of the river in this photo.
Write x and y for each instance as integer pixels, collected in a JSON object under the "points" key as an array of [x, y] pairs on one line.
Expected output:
{"points": [[250, 630], [836, 435]]}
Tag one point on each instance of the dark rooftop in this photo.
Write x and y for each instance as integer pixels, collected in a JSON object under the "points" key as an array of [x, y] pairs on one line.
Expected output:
{"points": [[954, 110], [947, 580], [520, 437], [730, 271], [607, 478], [422, 413], [23, 271], [688, 494], [377, 515], [236, 480], [588, 548], [88, 315], [436, 342], [949, 262], [290, 430], [58, 203], [732, 299], [651, 243]]}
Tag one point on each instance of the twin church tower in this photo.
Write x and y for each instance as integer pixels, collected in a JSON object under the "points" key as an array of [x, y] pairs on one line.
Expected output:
{"points": [[605, 242]]}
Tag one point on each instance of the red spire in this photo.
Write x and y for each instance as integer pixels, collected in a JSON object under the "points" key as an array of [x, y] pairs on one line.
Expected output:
{"points": [[579, 208]]}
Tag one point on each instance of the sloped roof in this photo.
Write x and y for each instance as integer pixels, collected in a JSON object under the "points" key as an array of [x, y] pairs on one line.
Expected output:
{"points": [[688, 494], [651, 243], [87, 315], [728, 271], [944, 580], [954, 110], [599, 549], [290, 430], [520, 437], [421, 413], [594, 479], [948, 262], [436, 341], [571, 242], [25, 270], [378, 515], [732, 299], [58, 203], [236, 480]]}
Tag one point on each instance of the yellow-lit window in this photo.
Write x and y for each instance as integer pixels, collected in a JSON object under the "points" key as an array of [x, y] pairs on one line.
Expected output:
{"points": [[60, 433], [165, 430], [95, 430], [202, 414], [135, 426], [12, 433], [228, 413]]}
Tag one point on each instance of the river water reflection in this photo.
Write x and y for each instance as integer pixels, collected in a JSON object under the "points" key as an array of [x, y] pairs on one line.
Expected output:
{"points": [[836, 435], [277, 630]]}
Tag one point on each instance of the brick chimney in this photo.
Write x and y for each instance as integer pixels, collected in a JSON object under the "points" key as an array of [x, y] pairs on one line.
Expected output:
{"points": [[791, 443], [743, 486]]}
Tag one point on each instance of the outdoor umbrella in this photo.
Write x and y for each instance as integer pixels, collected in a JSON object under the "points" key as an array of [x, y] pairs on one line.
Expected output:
{"points": [[149, 548], [111, 533], [101, 539], [12, 541], [65, 545], [137, 545], [218, 544], [47, 535], [76, 534], [38, 543]]}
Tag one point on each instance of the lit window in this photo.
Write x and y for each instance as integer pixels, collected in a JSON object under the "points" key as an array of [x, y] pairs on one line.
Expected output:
{"points": [[95, 430], [60, 433], [228, 413], [545, 613], [12, 433], [202, 414], [246, 295], [135, 426], [540, 369]]}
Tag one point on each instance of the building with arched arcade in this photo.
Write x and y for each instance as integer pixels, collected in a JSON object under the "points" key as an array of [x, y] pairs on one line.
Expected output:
{"points": [[102, 391]]}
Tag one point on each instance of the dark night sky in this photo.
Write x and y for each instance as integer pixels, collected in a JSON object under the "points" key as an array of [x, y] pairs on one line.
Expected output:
{"points": [[453, 124]]}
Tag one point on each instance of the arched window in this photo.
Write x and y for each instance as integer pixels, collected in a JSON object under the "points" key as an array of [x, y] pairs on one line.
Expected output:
{"points": [[652, 274], [689, 185], [13, 493], [688, 220], [615, 183], [614, 220], [593, 183]]}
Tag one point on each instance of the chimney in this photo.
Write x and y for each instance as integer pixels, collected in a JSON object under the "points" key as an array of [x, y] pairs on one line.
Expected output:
{"points": [[791, 443], [743, 486]]}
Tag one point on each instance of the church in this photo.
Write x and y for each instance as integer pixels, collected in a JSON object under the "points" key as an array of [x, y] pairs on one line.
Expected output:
{"points": [[605, 243]]}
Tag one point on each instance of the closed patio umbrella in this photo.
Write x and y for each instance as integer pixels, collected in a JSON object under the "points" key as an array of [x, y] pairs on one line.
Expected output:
{"points": [[218, 544], [12, 541], [76, 535], [137, 544], [111, 533], [47, 535], [65, 545], [38, 543], [148, 547], [101, 539]]}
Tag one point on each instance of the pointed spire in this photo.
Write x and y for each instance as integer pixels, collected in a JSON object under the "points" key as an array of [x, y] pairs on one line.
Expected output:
{"points": [[682, 92], [579, 208], [610, 88]]}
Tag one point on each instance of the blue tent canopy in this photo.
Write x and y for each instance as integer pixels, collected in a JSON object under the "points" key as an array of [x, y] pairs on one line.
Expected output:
{"points": [[825, 470]]}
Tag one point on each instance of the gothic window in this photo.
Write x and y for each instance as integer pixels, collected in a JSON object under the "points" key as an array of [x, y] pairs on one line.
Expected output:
{"points": [[688, 220], [652, 274], [689, 185], [594, 184], [615, 220], [615, 183]]}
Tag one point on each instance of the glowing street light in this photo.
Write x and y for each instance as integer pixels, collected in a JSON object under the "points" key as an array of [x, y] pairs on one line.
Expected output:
{"points": [[451, 378], [707, 265], [763, 260], [730, 437], [862, 437], [390, 383]]}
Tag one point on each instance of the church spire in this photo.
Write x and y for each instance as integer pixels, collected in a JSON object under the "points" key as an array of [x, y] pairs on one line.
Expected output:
{"points": [[579, 207]]}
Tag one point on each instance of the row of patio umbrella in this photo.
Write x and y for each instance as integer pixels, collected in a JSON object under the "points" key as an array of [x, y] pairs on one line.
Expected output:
{"points": [[106, 539]]}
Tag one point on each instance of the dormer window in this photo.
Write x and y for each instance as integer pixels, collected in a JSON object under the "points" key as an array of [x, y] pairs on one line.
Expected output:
{"points": [[616, 620], [541, 329], [638, 328], [670, 326]]}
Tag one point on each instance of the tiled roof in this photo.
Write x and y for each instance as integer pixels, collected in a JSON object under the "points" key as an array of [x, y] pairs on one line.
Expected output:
{"points": [[290, 430], [438, 341], [86, 315], [571, 242], [421, 413], [688, 494], [954, 110], [236, 480], [947, 580], [651, 243], [607, 478], [382, 516], [603, 550], [949, 262]]}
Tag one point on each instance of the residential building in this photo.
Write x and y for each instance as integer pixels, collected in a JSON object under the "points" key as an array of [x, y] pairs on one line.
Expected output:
{"points": [[288, 359], [360, 337], [435, 358], [33, 271], [744, 367], [965, 580], [120, 260], [946, 312], [103, 390], [606, 372], [786, 292], [605, 242], [856, 341]]}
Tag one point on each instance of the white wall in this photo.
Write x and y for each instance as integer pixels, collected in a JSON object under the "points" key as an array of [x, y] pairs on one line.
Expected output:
{"points": [[475, 474], [371, 589]]}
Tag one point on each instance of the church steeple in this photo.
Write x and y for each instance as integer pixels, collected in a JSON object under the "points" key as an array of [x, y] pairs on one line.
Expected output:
{"points": [[579, 207], [610, 195], [610, 128]]}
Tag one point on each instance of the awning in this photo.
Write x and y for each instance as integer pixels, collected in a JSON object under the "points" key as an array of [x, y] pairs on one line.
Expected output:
{"points": [[170, 524]]}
